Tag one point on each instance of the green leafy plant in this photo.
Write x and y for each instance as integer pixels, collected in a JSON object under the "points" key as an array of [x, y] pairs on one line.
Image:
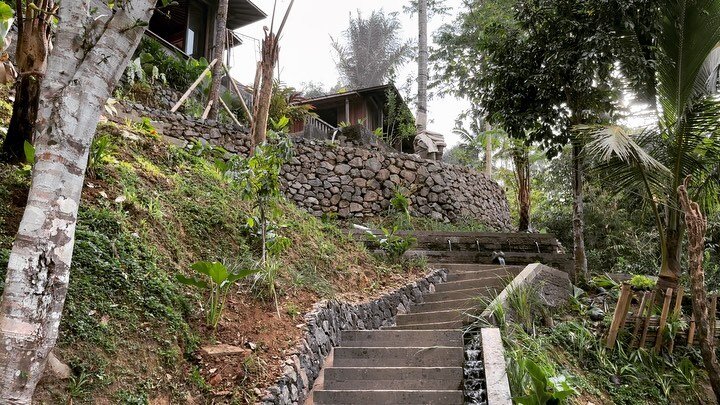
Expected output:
{"points": [[524, 301], [543, 388], [218, 280], [640, 282], [100, 149], [603, 281], [392, 244], [259, 175], [400, 203]]}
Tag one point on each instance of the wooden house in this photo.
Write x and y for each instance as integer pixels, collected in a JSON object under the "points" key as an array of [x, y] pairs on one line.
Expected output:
{"points": [[368, 107], [188, 27]]}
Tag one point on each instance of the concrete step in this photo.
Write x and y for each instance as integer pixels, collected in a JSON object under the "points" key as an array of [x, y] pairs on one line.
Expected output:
{"points": [[457, 324], [436, 356], [483, 282], [390, 338], [447, 305], [470, 267], [393, 378], [476, 293], [359, 397], [511, 258], [467, 276], [434, 317]]}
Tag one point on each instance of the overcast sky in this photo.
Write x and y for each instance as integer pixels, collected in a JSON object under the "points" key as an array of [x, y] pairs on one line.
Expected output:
{"points": [[306, 53]]}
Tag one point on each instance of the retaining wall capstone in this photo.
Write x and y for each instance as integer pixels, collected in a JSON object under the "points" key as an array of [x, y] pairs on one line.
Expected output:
{"points": [[323, 326], [353, 180]]}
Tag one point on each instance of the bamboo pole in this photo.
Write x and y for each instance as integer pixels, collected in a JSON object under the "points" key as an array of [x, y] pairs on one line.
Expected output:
{"points": [[663, 320], [207, 110], [237, 91], [617, 316], [230, 113], [193, 86]]}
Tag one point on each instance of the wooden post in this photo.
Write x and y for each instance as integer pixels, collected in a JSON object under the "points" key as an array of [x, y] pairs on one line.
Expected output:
{"points": [[639, 318], [646, 325], [663, 320], [676, 314], [618, 317], [193, 86]]}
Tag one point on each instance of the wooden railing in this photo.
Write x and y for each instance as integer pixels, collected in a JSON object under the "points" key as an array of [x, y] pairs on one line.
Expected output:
{"points": [[315, 124]]}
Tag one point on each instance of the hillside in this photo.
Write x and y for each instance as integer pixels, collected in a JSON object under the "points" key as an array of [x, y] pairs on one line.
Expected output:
{"points": [[130, 331]]}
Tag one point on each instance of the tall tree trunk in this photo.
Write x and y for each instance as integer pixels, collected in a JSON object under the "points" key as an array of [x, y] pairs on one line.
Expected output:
{"points": [[421, 121], [488, 155], [261, 108], [697, 226], [522, 176], [78, 81], [31, 53], [217, 73], [581, 269]]}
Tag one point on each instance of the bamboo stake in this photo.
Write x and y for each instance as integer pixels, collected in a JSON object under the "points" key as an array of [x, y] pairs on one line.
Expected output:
{"points": [[617, 316], [676, 314], [237, 91], [647, 319], [663, 320], [230, 113], [207, 110], [193, 86], [639, 318]]}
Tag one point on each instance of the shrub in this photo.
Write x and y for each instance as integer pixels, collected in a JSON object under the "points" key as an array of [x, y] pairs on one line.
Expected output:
{"points": [[220, 279], [640, 282], [390, 243]]}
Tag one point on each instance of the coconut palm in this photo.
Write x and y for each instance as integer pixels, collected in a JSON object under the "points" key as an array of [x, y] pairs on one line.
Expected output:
{"points": [[686, 140]]}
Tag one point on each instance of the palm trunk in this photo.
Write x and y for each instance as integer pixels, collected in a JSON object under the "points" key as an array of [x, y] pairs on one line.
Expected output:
{"points": [[670, 268], [31, 55], [217, 73], [79, 79], [581, 269], [697, 226], [522, 176], [421, 121]]}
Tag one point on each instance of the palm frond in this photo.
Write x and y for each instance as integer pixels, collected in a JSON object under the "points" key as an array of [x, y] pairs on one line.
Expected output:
{"points": [[689, 31], [614, 142]]}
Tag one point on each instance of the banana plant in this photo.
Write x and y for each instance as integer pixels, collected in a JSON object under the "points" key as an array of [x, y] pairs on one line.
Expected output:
{"points": [[218, 280]]}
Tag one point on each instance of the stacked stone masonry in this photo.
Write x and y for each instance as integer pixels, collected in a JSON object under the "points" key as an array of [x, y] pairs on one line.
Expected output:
{"points": [[323, 326], [350, 180]]}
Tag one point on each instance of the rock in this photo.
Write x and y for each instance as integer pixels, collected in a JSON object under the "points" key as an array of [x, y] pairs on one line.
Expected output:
{"points": [[58, 368], [221, 349], [596, 314]]}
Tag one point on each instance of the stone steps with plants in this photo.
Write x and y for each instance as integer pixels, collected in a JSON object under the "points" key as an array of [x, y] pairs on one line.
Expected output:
{"points": [[419, 360]]}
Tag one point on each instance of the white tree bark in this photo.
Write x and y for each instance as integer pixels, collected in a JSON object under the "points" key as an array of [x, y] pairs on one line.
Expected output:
{"points": [[421, 121], [93, 44]]}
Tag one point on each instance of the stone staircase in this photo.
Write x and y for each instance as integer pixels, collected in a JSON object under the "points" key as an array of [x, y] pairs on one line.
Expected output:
{"points": [[421, 359]]}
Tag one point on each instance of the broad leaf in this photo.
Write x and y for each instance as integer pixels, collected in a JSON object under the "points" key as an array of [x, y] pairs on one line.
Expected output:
{"points": [[191, 281], [29, 152]]}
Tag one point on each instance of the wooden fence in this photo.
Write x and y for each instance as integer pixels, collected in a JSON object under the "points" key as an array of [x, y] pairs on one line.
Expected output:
{"points": [[645, 315]]}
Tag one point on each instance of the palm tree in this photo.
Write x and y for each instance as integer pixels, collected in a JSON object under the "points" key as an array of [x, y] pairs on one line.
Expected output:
{"points": [[422, 65], [686, 140]]}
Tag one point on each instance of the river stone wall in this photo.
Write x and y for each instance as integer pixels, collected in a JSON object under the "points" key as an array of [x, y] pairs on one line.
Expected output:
{"points": [[323, 326], [351, 179], [357, 182]]}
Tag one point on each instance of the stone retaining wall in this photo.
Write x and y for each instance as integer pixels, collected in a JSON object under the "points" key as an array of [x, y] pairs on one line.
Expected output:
{"points": [[323, 327], [352, 180], [357, 182]]}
